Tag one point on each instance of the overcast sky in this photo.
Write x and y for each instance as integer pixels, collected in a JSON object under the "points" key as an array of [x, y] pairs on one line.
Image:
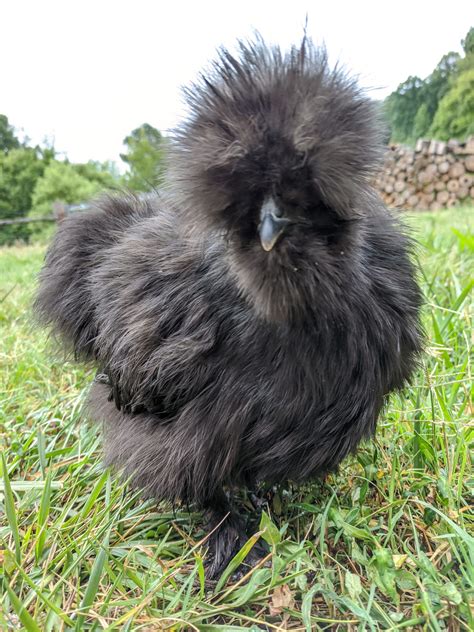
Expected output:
{"points": [[85, 73]]}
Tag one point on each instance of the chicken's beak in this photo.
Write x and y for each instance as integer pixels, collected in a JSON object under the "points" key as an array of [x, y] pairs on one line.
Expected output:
{"points": [[271, 225]]}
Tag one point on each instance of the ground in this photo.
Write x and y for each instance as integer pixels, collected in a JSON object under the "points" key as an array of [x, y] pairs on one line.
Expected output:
{"points": [[386, 544]]}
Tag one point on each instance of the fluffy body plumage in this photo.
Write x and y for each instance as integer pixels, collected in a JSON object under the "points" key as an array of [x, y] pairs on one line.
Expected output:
{"points": [[232, 364]]}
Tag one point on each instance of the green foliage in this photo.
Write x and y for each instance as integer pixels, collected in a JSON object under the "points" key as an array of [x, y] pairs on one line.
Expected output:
{"points": [[145, 158], [20, 170], [105, 174], [422, 121], [402, 106], [455, 115], [385, 544], [8, 140], [437, 84], [68, 183], [468, 42], [31, 180], [413, 109]]}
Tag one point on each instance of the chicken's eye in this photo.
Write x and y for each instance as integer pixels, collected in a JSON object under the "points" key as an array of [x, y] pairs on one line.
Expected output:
{"points": [[278, 212]]}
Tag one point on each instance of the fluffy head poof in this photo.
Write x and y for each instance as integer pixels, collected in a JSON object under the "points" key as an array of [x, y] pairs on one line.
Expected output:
{"points": [[277, 152]]}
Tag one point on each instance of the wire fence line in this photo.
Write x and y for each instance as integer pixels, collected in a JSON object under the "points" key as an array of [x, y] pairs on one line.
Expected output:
{"points": [[27, 220], [60, 211]]}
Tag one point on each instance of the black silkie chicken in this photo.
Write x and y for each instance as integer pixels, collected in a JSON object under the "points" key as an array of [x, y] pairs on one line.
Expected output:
{"points": [[248, 323]]}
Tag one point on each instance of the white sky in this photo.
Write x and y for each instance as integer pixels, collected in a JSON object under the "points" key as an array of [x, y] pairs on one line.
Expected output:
{"points": [[85, 73]]}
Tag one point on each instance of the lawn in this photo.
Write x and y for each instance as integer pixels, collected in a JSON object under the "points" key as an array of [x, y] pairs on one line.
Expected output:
{"points": [[386, 544]]}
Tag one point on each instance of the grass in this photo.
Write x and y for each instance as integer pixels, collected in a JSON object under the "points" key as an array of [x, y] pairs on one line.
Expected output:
{"points": [[387, 544]]}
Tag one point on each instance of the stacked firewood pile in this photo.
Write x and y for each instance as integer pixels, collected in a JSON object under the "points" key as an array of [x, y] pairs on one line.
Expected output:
{"points": [[434, 175]]}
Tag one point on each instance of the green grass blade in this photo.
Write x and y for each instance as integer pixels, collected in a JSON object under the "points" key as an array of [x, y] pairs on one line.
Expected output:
{"points": [[93, 583], [10, 510], [23, 614]]}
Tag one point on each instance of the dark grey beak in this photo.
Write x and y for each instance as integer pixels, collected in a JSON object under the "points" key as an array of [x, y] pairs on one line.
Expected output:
{"points": [[271, 225]]}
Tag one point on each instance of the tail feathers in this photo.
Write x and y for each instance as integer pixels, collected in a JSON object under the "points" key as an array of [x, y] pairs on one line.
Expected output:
{"points": [[64, 301]]}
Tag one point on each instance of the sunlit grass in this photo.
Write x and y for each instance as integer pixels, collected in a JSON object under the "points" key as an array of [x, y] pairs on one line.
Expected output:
{"points": [[385, 544]]}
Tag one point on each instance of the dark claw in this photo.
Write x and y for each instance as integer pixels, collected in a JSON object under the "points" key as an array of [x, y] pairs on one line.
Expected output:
{"points": [[116, 396], [262, 497], [102, 378], [257, 501], [121, 397]]}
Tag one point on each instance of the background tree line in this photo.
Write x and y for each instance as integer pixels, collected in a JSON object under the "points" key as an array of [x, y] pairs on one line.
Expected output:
{"points": [[33, 178], [440, 106]]}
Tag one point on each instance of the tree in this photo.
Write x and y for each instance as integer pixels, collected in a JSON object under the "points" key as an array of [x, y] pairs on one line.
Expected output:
{"points": [[455, 115], [413, 109], [467, 63], [468, 42], [145, 158], [106, 174], [422, 121], [61, 182], [438, 83], [401, 108], [31, 180], [8, 140], [20, 170]]}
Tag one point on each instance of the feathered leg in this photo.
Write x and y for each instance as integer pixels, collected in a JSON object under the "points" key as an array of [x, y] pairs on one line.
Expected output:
{"points": [[227, 536], [227, 533]]}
